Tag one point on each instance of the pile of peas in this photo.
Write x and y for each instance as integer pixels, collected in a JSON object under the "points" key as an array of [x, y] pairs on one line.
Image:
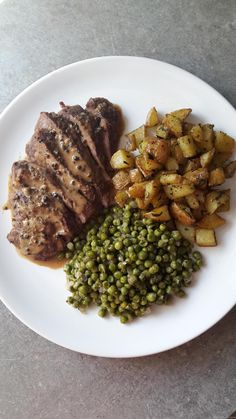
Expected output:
{"points": [[124, 263]]}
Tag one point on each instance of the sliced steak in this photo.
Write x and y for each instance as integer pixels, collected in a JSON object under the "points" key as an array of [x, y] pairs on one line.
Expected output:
{"points": [[79, 195], [91, 132], [42, 224], [78, 157], [110, 121]]}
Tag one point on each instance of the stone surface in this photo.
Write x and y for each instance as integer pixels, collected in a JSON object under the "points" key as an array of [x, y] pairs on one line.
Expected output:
{"points": [[39, 379]]}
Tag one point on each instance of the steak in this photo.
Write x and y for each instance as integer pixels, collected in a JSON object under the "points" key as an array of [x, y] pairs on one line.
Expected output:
{"points": [[79, 195], [110, 119], [92, 134], [64, 179], [42, 224], [79, 159]]}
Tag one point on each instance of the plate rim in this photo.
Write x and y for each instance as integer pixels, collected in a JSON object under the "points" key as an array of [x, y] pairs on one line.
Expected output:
{"points": [[47, 76]]}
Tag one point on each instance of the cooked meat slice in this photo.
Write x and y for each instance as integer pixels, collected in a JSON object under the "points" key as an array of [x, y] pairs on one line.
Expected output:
{"points": [[77, 156], [79, 195], [92, 134], [110, 120], [42, 224]]}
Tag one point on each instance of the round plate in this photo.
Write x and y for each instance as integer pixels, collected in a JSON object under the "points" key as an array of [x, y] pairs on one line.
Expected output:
{"points": [[36, 294]]}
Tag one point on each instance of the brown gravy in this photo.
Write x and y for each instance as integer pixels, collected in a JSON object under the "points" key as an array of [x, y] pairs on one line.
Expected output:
{"points": [[52, 263]]}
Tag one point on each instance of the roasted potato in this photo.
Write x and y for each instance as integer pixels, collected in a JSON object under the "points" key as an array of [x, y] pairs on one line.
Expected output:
{"points": [[206, 158], [205, 237], [159, 149], [173, 124], [178, 191], [121, 179], [230, 169], [197, 133], [216, 177], [182, 213], [215, 199], [152, 117], [187, 232], [146, 166], [192, 201], [182, 114], [224, 143], [219, 160], [135, 175], [208, 138], [159, 199], [162, 132], [192, 165], [188, 146], [176, 151], [137, 190], [150, 193], [170, 179], [211, 221], [122, 159], [121, 197], [172, 164], [139, 133], [198, 177], [132, 144], [159, 214]]}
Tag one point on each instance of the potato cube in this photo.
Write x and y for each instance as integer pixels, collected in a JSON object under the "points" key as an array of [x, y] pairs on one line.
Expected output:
{"points": [[121, 159], [188, 146], [192, 201], [135, 175], [121, 197], [206, 158], [173, 124], [152, 118], [159, 214], [216, 177], [121, 179], [178, 191], [172, 164], [197, 133], [159, 149], [208, 138], [139, 133], [132, 145], [211, 221], [137, 190], [215, 199], [162, 132], [170, 178], [187, 232], [198, 177], [182, 213], [176, 151], [230, 169], [224, 143], [182, 114], [205, 237]]}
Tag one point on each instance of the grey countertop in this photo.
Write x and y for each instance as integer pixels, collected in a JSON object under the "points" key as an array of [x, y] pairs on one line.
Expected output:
{"points": [[38, 378]]}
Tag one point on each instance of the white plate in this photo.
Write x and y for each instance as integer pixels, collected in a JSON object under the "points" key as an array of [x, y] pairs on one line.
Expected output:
{"points": [[35, 294]]}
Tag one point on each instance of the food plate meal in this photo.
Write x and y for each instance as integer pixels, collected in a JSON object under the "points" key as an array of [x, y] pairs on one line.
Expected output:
{"points": [[121, 170]]}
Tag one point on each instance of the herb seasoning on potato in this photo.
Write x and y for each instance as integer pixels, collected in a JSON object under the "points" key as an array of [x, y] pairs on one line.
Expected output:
{"points": [[173, 170]]}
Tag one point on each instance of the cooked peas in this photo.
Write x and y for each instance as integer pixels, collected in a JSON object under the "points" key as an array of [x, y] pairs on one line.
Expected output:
{"points": [[125, 263]]}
